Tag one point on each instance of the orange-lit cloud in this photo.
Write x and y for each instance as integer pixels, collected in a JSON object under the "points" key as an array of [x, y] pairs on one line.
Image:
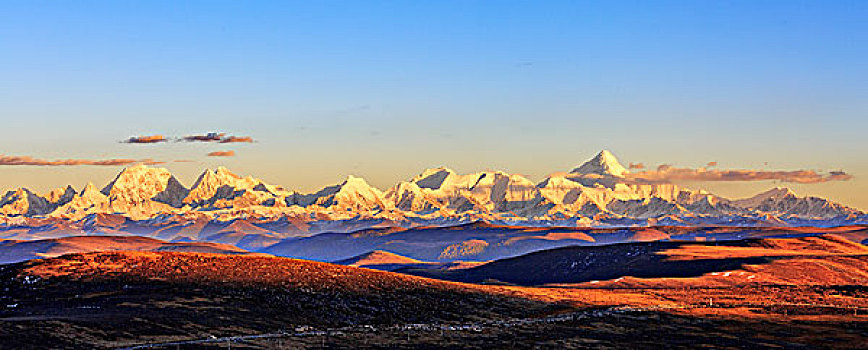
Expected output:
{"points": [[216, 137], [146, 139], [209, 137], [234, 139], [668, 173], [222, 154], [637, 166], [27, 160], [711, 164], [220, 137]]}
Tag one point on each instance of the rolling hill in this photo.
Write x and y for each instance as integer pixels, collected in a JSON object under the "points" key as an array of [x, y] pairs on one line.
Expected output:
{"points": [[113, 299], [14, 251], [483, 241], [826, 259], [386, 261]]}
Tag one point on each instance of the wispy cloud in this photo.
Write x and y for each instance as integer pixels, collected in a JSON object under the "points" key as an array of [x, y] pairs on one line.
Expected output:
{"points": [[27, 160], [222, 154], [711, 164], [637, 165], [146, 139], [668, 173]]}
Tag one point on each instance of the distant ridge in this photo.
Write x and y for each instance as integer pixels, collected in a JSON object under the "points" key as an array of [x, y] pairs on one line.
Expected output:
{"points": [[596, 193]]}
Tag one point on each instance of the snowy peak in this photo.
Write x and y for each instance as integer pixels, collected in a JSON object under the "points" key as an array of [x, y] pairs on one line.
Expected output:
{"points": [[221, 188], [355, 182], [211, 181], [432, 178], [774, 194], [784, 202], [778, 192], [220, 175], [501, 191], [89, 201], [597, 191], [604, 164], [60, 196], [23, 202], [354, 193], [90, 191], [141, 184], [409, 196]]}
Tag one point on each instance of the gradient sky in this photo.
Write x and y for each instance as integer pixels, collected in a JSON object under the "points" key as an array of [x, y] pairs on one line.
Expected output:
{"points": [[385, 89]]}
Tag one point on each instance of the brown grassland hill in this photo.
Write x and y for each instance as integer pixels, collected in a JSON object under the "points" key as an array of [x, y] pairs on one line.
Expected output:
{"points": [[20, 250], [826, 259], [804, 293]]}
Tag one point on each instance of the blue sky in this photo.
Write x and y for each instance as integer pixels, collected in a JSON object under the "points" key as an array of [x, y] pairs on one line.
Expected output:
{"points": [[386, 89]]}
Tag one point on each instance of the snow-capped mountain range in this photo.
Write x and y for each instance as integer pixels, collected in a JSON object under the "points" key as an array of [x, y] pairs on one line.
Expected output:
{"points": [[594, 193]]}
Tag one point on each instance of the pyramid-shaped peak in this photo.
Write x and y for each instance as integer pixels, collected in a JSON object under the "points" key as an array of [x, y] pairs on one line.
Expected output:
{"points": [[140, 183], [220, 180], [140, 167], [432, 178], [223, 171], [605, 154], [217, 177], [61, 194], [89, 188], [437, 170], [91, 192], [353, 181], [134, 176], [604, 163]]}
